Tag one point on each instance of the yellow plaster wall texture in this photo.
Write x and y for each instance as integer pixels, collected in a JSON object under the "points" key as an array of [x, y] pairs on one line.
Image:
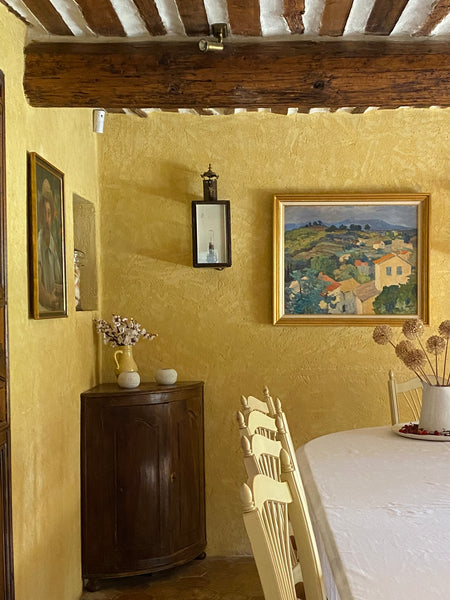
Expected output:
{"points": [[216, 326], [53, 360]]}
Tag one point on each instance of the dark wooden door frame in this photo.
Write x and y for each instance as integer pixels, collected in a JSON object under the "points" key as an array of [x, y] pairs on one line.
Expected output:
{"points": [[6, 547]]}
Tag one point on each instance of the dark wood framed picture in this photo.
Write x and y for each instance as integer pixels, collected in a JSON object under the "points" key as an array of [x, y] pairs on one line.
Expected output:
{"points": [[47, 239], [350, 259]]}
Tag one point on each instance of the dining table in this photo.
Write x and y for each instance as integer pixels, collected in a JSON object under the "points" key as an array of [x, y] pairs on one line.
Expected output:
{"points": [[380, 508]]}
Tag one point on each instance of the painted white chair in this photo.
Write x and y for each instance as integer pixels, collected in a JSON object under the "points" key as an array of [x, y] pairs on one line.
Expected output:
{"points": [[268, 507], [256, 422], [250, 403], [404, 399], [262, 457]]}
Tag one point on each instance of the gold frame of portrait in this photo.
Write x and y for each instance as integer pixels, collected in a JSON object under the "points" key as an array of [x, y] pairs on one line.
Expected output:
{"points": [[358, 202], [41, 174]]}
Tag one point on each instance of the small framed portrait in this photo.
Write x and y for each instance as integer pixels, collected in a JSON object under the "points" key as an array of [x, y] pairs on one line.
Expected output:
{"points": [[350, 259], [48, 289]]}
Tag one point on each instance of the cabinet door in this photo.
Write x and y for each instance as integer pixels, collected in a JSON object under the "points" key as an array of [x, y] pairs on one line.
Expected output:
{"points": [[126, 480], [187, 511]]}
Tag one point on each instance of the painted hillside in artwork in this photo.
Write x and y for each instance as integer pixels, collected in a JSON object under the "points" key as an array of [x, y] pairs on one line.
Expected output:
{"points": [[350, 260]]}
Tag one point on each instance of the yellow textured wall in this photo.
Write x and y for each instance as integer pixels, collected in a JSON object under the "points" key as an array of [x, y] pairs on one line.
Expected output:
{"points": [[216, 326], [51, 361]]}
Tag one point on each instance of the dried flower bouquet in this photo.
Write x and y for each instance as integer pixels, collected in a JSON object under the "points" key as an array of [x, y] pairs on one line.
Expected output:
{"points": [[422, 359], [122, 331]]}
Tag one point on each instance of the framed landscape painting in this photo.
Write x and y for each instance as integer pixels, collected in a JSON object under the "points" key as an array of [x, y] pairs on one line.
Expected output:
{"points": [[357, 259]]}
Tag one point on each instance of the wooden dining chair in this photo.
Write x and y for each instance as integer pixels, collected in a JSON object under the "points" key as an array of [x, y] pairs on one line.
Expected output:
{"points": [[405, 399], [262, 457], [266, 405], [268, 507], [256, 422]]}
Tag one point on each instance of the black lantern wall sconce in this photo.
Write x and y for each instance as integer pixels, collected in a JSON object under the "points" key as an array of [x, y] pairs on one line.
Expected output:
{"points": [[211, 227]]}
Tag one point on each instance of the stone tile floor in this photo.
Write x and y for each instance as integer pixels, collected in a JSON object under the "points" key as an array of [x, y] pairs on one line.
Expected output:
{"points": [[214, 578]]}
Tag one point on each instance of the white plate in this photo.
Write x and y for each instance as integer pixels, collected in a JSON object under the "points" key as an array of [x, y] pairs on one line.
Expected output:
{"points": [[415, 436]]}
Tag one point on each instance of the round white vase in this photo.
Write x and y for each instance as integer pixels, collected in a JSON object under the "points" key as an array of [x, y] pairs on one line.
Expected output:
{"points": [[166, 376], [435, 411], [128, 379]]}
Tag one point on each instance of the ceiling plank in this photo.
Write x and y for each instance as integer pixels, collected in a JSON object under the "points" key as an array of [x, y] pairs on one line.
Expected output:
{"points": [[440, 10], [245, 74], [139, 112], [244, 17], [48, 16], [384, 16], [150, 15], [293, 13], [101, 17], [193, 15], [334, 17], [14, 12]]}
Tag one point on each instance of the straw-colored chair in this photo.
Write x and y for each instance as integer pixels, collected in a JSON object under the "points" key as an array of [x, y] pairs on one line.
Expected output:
{"points": [[405, 399], [268, 508], [249, 403]]}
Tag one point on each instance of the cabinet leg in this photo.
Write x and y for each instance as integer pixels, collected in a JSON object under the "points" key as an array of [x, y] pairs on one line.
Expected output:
{"points": [[92, 585], [201, 556]]}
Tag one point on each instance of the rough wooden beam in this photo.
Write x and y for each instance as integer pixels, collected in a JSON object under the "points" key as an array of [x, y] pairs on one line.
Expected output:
{"points": [[293, 13], [334, 17], [384, 16], [439, 11], [150, 15], [244, 17], [193, 15], [50, 19], [297, 73], [101, 17]]}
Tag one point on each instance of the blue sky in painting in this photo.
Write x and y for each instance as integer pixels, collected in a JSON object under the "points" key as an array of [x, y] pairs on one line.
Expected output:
{"points": [[405, 215]]}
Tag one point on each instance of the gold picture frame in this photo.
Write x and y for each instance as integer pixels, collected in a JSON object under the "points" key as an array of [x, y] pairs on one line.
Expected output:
{"points": [[350, 259], [48, 288]]}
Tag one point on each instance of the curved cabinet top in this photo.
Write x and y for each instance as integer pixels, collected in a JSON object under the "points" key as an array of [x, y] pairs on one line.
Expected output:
{"points": [[151, 390]]}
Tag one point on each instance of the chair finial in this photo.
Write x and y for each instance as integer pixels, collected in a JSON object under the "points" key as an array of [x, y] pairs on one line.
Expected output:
{"points": [[244, 402], [246, 498], [246, 446], [286, 463]]}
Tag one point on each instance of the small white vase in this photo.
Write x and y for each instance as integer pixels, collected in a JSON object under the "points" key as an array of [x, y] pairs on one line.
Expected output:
{"points": [[166, 376], [128, 379], [435, 411]]}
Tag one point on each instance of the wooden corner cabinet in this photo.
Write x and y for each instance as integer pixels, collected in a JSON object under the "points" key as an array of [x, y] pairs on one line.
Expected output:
{"points": [[142, 479]]}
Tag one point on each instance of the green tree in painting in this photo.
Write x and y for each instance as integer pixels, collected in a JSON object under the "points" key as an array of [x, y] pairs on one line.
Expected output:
{"points": [[308, 299], [397, 299], [325, 264]]}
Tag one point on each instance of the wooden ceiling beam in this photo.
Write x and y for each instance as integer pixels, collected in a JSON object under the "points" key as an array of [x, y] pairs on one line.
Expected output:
{"points": [[293, 13], [245, 74], [384, 16], [439, 11], [193, 16], [334, 17], [101, 17], [244, 17], [151, 17], [48, 16]]}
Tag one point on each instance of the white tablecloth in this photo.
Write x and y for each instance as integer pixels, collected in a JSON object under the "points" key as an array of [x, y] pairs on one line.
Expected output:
{"points": [[381, 507]]}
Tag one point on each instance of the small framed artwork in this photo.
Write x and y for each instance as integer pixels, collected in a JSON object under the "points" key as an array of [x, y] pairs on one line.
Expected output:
{"points": [[356, 259], [47, 240], [211, 233]]}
